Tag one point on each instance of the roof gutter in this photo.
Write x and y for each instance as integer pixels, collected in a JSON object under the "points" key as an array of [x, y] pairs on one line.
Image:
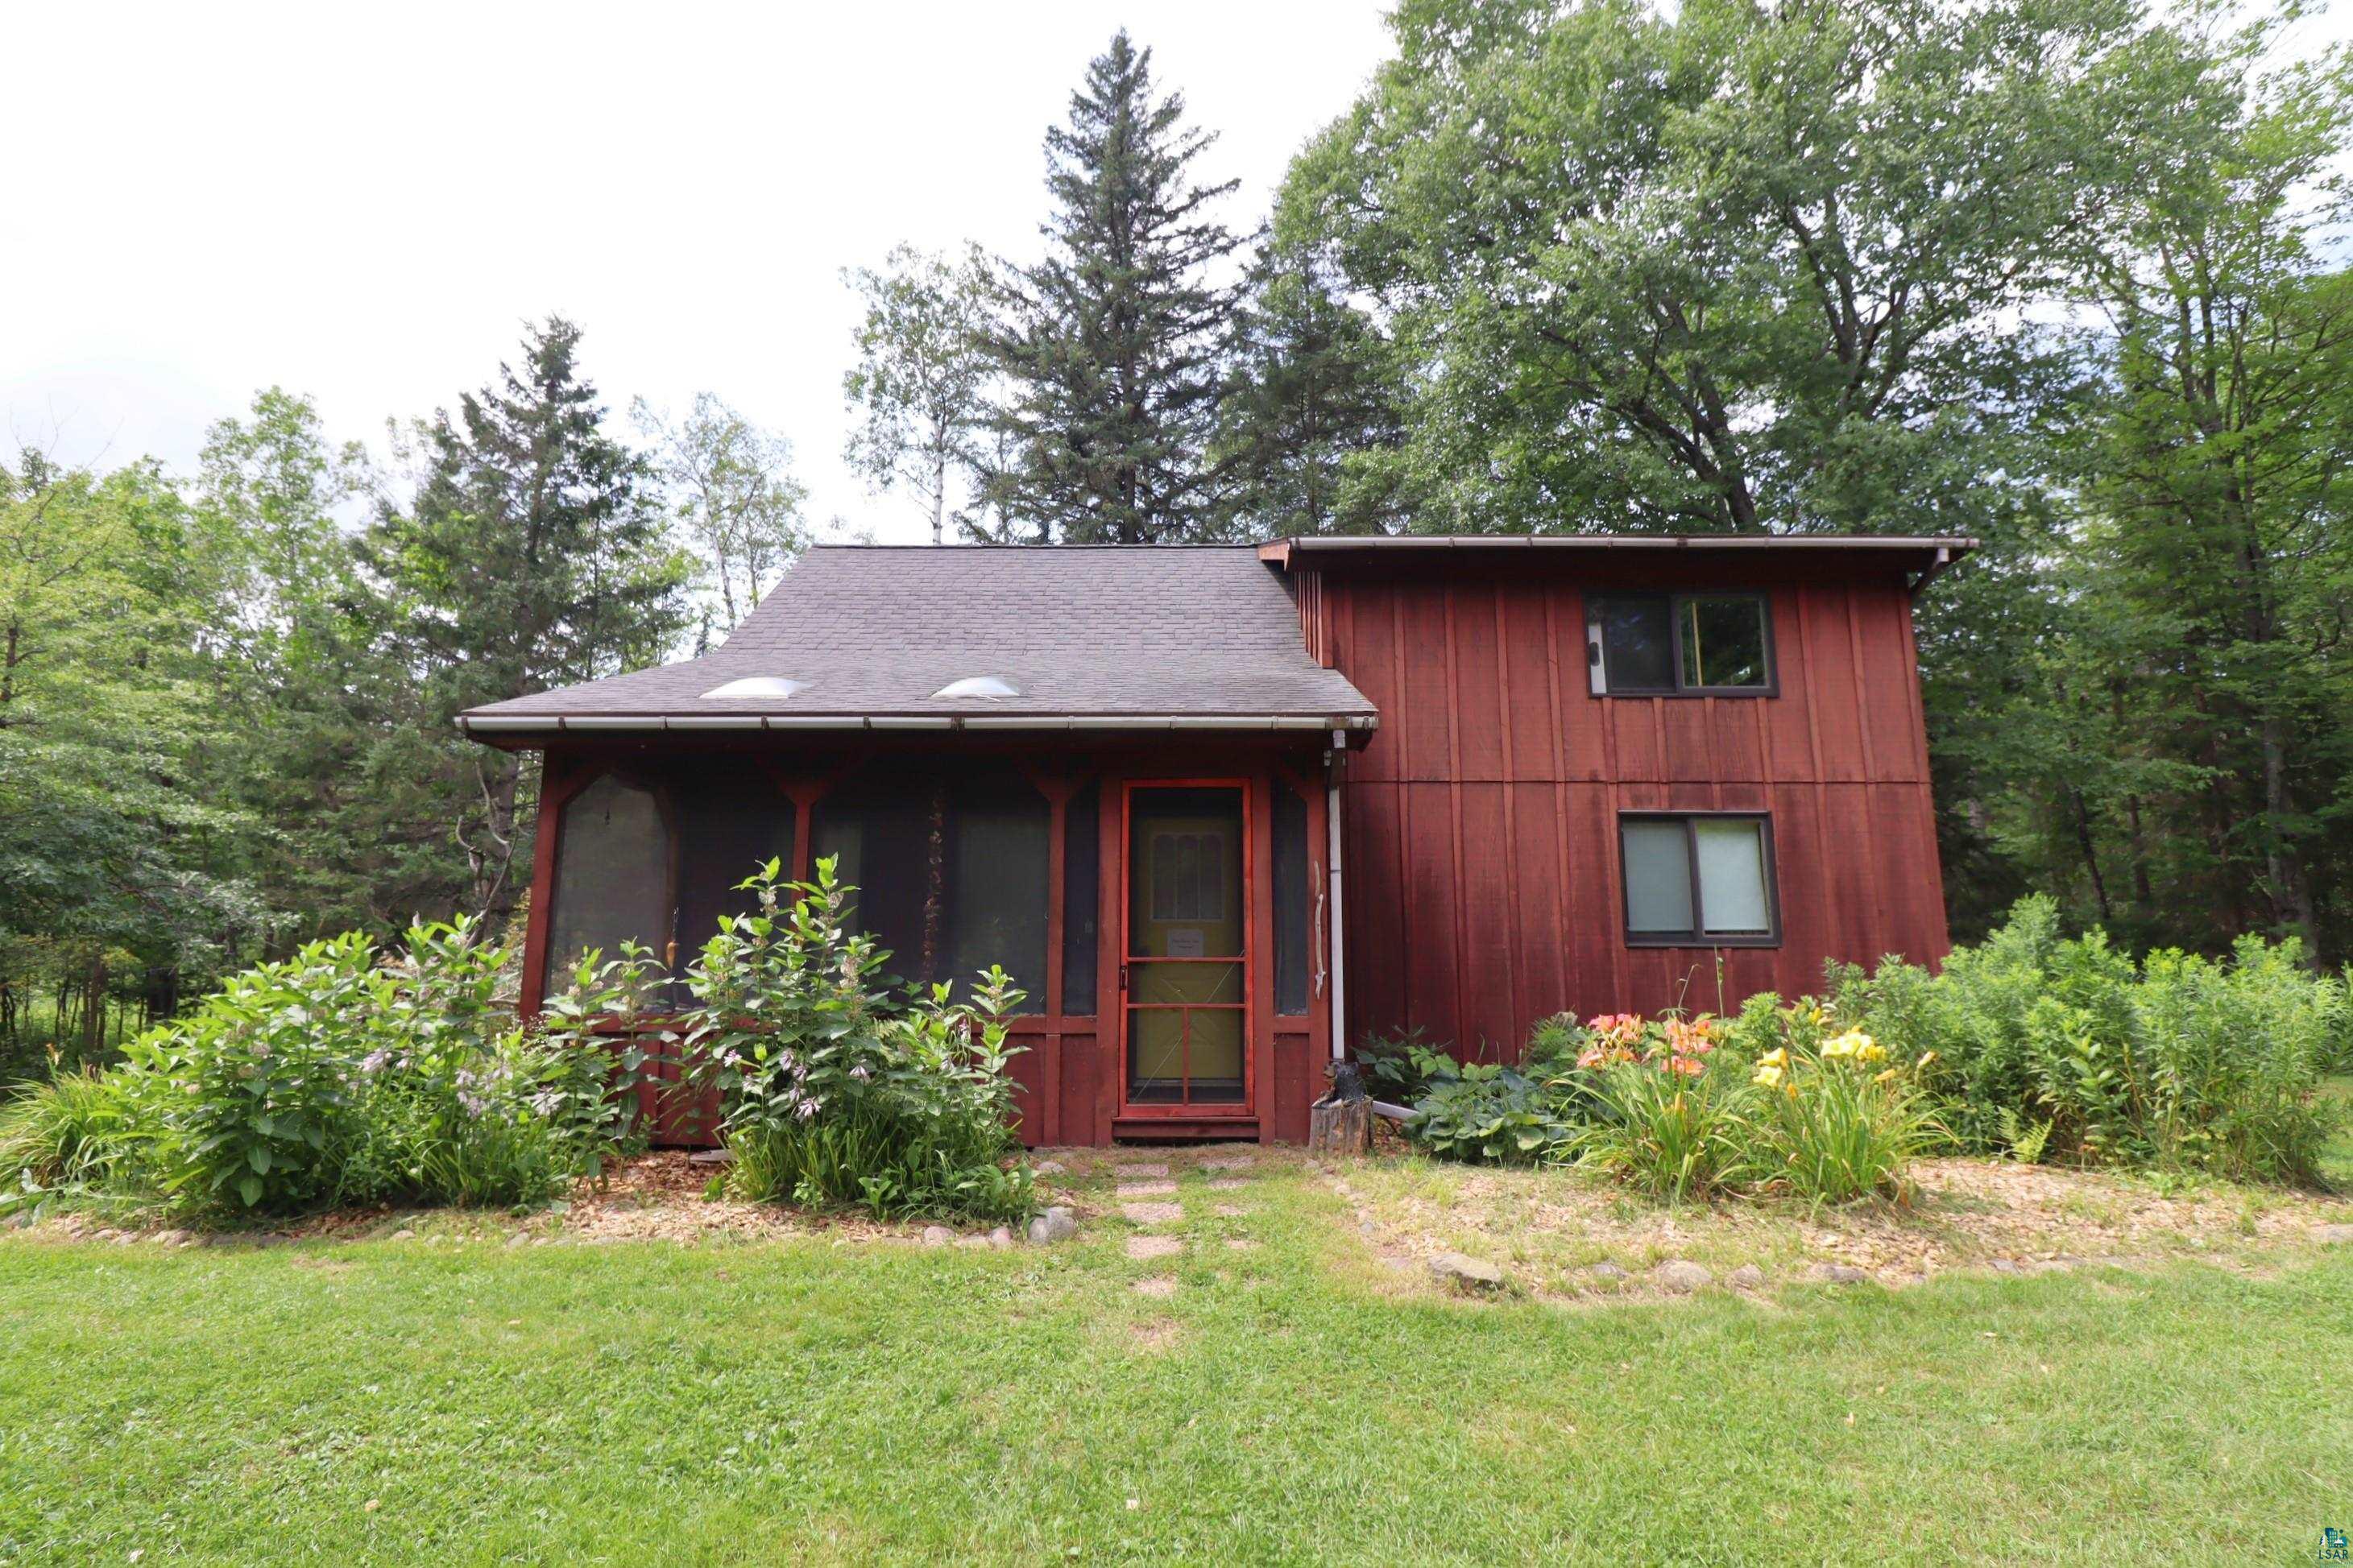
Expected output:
{"points": [[607, 723], [1279, 551]]}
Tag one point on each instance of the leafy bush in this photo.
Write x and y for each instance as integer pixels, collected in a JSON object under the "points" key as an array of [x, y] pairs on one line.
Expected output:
{"points": [[1399, 1068], [1677, 1137], [832, 1089], [2064, 1049], [1839, 1121], [1482, 1111], [339, 1077], [72, 1133]]}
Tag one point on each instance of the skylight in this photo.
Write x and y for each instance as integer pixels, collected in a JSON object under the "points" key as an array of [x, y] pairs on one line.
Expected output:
{"points": [[760, 686], [989, 686]]}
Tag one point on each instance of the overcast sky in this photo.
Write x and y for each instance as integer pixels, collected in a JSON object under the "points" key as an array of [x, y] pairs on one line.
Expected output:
{"points": [[365, 204]]}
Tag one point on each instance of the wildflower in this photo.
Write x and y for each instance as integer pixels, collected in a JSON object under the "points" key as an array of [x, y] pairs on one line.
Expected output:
{"points": [[374, 1062], [861, 1072], [546, 1101], [1882, 1076], [806, 1109], [1690, 1067], [1925, 1058], [1779, 1056], [1770, 1074], [1590, 1057]]}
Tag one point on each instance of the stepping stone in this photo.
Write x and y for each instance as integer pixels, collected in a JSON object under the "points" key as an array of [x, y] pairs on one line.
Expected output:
{"points": [[1155, 1288], [1230, 1211], [1748, 1277], [1240, 1244], [1144, 1189], [1142, 1247], [1142, 1167], [1466, 1273], [1238, 1163], [1679, 1276], [1152, 1213], [1836, 1274], [2332, 1235], [1227, 1184]]}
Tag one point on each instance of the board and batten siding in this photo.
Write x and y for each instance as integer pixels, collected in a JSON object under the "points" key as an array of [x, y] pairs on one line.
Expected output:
{"points": [[1480, 828]]}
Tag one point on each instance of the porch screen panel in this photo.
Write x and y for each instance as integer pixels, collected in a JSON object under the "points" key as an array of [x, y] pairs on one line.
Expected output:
{"points": [[612, 876], [999, 832], [1082, 899], [951, 871], [728, 827], [878, 825], [1291, 897]]}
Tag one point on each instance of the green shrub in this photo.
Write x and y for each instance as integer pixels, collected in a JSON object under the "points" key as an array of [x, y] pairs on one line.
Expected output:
{"points": [[2064, 1049], [1674, 1136], [1836, 1120], [1399, 1068], [338, 1076], [1484, 1112], [72, 1134], [834, 1090]]}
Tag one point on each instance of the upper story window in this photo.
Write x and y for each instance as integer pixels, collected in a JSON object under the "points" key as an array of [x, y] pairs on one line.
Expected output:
{"points": [[1666, 645]]}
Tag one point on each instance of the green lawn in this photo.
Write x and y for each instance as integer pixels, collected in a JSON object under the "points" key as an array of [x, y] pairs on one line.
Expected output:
{"points": [[805, 1401]]}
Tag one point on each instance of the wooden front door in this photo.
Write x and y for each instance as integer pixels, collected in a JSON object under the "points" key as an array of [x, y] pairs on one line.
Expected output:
{"points": [[1185, 966]]}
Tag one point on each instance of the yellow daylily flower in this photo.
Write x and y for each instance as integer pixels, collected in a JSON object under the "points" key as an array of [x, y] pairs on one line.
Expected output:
{"points": [[1769, 1075], [1779, 1056]]}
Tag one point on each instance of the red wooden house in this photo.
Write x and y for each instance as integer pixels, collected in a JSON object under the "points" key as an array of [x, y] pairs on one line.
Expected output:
{"points": [[1222, 809]]}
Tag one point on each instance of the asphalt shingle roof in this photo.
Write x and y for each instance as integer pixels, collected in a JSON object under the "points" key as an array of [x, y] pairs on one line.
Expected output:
{"points": [[1108, 631]]}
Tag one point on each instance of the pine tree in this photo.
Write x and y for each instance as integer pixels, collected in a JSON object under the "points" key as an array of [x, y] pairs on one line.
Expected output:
{"points": [[532, 554], [1111, 346], [1311, 417]]}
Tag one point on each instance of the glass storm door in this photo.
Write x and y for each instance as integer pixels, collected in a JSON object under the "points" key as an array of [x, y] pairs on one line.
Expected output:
{"points": [[1184, 969]]}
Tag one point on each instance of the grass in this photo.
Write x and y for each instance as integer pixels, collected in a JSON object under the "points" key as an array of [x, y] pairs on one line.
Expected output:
{"points": [[446, 1400]]}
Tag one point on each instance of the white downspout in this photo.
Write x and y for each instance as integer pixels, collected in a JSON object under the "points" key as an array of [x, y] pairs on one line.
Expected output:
{"points": [[1332, 860]]}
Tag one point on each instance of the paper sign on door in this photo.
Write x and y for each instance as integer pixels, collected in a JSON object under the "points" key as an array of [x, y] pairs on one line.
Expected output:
{"points": [[1186, 942]]}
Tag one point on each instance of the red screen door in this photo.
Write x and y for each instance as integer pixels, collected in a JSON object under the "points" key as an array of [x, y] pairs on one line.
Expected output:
{"points": [[1185, 972]]}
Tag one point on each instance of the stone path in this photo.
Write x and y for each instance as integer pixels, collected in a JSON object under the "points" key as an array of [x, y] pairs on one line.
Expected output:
{"points": [[1147, 1189]]}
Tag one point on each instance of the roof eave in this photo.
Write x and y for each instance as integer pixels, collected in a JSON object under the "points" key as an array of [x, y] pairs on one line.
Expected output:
{"points": [[488, 725]]}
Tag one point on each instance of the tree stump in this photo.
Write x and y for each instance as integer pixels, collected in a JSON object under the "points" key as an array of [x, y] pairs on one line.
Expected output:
{"points": [[1338, 1126]]}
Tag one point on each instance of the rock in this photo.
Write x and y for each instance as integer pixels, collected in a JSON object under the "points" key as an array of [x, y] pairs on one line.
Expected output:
{"points": [[1144, 1189], [1056, 1224], [972, 1241], [2004, 1265], [1242, 1162], [1001, 1237], [1152, 1213], [1466, 1273], [711, 1157], [1748, 1277], [1143, 1168], [1679, 1276], [1148, 1247], [517, 1239], [1050, 1167], [2333, 1234], [1228, 1183], [404, 1235], [937, 1235], [1605, 1271], [171, 1238], [108, 1234], [1836, 1274]]}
